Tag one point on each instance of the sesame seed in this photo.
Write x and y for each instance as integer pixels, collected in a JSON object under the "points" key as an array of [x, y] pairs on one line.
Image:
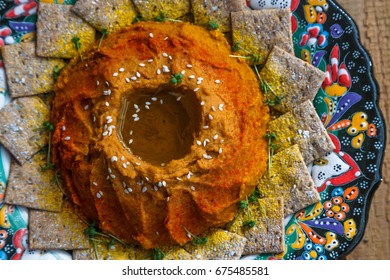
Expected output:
{"points": [[136, 119], [123, 158], [115, 74], [114, 158], [158, 71], [147, 107], [183, 72], [189, 65], [165, 69], [131, 132], [199, 82], [220, 150], [161, 101], [147, 178], [124, 184], [166, 38], [113, 176], [164, 54], [109, 120], [105, 133], [144, 189], [159, 184], [67, 138], [192, 188], [202, 103], [178, 178], [124, 165], [107, 83], [95, 184], [142, 64], [178, 99], [210, 117], [189, 175], [147, 103], [135, 115], [63, 128], [151, 35], [128, 190], [86, 107], [107, 92], [138, 74], [121, 69], [131, 141], [155, 188], [205, 127], [213, 108], [170, 57], [168, 198], [217, 81], [150, 60], [196, 89], [199, 143], [220, 107], [107, 104], [137, 163], [134, 78], [97, 83], [164, 183], [191, 77], [99, 194], [206, 156], [215, 137], [200, 79], [154, 98]]}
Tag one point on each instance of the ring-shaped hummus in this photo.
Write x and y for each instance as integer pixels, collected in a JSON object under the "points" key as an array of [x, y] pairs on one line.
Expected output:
{"points": [[159, 133]]}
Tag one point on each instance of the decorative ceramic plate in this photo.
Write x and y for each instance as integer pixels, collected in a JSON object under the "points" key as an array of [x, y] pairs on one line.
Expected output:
{"points": [[325, 36]]}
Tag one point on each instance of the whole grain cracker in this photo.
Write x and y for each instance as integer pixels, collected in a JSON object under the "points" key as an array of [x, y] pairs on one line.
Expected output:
{"points": [[220, 245], [291, 78], [106, 251], [20, 127], [178, 253], [31, 186], [111, 15], [51, 230], [302, 126], [258, 31], [267, 234], [217, 11], [173, 9], [289, 177], [27, 73], [57, 25]]}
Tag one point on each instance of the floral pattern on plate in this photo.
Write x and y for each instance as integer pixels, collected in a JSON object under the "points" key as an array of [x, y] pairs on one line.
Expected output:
{"points": [[323, 35]]}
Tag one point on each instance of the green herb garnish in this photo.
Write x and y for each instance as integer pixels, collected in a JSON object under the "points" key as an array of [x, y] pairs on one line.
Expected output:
{"points": [[77, 45], [213, 25], [158, 254], [176, 78], [137, 18], [162, 17], [271, 98], [56, 72], [47, 126], [104, 34], [196, 240], [271, 137], [248, 223]]}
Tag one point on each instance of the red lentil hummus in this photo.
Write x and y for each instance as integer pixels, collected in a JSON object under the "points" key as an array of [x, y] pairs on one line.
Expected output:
{"points": [[159, 133]]}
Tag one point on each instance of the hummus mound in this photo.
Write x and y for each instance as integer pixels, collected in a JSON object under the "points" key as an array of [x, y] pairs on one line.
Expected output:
{"points": [[159, 133]]}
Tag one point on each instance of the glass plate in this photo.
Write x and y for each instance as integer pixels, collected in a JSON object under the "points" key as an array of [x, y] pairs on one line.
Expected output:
{"points": [[323, 35]]}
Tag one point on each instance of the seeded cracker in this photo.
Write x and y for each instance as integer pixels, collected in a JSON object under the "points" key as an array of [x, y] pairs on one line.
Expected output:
{"points": [[221, 245], [111, 15], [217, 11], [178, 254], [289, 178], [302, 126], [258, 31], [51, 230], [28, 74], [20, 125], [57, 25], [267, 235], [31, 187], [291, 78], [174, 9], [106, 251]]}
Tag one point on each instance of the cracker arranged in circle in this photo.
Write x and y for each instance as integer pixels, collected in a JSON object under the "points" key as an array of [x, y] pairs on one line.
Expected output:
{"points": [[290, 78], [289, 177], [111, 15], [220, 245], [217, 11], [31, 186], [57, 25], [52, 230], [302, 126], [258, 31], [173, 9], [267, 233], [27, 73], [20, 127]]}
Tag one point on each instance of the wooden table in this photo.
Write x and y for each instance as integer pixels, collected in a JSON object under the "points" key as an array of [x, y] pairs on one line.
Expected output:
{"points": [[373, 20]]}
